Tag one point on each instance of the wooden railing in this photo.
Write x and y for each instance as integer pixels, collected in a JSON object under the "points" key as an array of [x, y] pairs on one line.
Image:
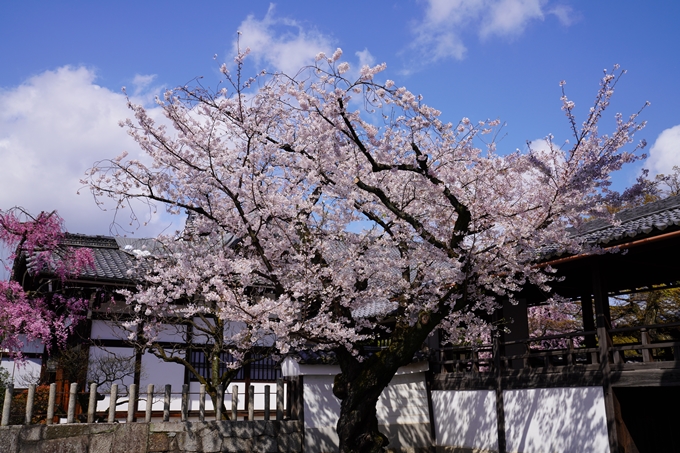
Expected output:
{"points": [[541, 353], [134, 397]]}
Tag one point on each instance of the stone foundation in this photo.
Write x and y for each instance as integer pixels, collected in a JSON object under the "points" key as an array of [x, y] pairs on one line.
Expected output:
{"points": [[168, 437]]}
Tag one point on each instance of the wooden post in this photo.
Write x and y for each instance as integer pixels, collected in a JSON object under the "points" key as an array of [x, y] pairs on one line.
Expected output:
{"points": [[251, 403], [266, 402], [112, 403], [92, 403], [72, 396], [30, 399], [570, 351], [132, 400], [279, 399], [9, 393], [201, 403], [604, 342], [234, 402], [149, 403], [185, 402], [647, 355], [219, 402], [166, 402], [588, 318], [51, 401], [500, 404]]}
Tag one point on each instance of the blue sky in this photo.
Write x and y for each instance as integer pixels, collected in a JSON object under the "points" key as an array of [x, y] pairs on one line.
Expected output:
{"points": [[62, 65]]}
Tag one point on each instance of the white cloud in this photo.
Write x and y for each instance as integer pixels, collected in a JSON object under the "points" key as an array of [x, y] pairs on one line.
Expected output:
{"points": [[282, 43], [509, 17], [53, 128], [439, 34], [365, 58], [665, 152]]}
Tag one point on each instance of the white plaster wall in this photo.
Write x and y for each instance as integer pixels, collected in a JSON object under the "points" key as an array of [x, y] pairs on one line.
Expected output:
{"points": [[107, 330], [404, 401], [465, 419], [95, 351], [194, 389], [321, 407], [567, 420], [22, 374], [159, 373]]}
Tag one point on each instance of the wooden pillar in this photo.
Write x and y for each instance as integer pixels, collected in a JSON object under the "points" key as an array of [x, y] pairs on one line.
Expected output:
{"points": [[500, 403], [517, 322], [588, 317], [603, 322]]}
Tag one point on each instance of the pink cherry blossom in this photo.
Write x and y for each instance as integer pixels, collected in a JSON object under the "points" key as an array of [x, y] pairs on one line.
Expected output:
{"points": [[42, 313]]}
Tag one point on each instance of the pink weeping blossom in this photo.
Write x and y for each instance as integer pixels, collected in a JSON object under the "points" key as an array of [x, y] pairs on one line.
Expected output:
{"points": [[38, 314]]}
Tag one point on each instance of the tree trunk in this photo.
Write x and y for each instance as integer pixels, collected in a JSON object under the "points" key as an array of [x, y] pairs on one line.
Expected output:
{"points": [[360, 384]]}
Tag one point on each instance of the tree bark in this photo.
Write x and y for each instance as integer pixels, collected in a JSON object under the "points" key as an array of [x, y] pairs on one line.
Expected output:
{"points": [[360, 384]]}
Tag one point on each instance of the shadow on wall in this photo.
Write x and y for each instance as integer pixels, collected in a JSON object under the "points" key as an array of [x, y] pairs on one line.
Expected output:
{"points": [[569, 420], [465, 419], [402, 410]]}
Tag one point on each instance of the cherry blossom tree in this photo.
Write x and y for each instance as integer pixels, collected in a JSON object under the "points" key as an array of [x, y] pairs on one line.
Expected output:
{"points": [[46, 312], [340, 213]]}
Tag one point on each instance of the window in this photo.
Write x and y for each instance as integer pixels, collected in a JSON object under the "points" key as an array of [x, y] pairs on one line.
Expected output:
{"points": [[261, 369]]}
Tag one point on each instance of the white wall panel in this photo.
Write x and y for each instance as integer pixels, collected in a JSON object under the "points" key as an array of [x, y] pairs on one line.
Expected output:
{"points": [[465, 419], [22, 374], [567, 420], [159, 373]]}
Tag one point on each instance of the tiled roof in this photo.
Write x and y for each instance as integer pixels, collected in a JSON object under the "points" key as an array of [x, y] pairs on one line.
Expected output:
{"points": [[648, 219], [112, 256]]}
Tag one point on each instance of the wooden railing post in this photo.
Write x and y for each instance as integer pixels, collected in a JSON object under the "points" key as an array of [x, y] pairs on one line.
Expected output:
{"points": [[131, 403], [72, 396], [251, 403], [570, 351], [219, 402], [201, 403], [92, 403], [647, 355], [7, 406], [266, 402], [149, 402], [279, 399], [234, 402], [166, 402], [30, 399], [112, 403], [51, 402], [185, 402]]}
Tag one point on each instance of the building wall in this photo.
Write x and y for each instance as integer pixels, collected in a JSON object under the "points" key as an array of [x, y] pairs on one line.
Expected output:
{"points": [[567, 420], [159, 373], [465, 419], [402, 410]]}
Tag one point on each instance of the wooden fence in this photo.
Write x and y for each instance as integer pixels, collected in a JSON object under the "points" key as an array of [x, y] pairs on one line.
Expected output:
{"points": [[134, 397]]}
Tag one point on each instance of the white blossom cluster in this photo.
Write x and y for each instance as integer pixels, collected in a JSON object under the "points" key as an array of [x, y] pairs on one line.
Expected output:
{"points": [[315, 198]]}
